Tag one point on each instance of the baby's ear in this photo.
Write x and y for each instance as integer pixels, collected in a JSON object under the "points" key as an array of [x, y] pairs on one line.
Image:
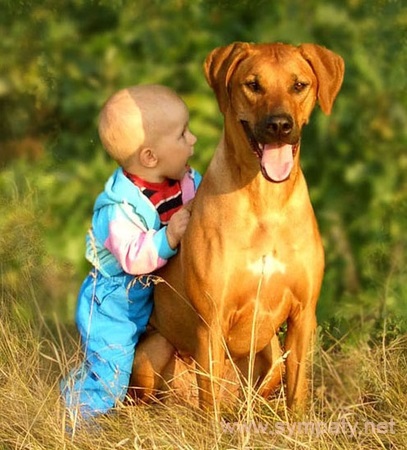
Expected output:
{"points": [[147, 158]]}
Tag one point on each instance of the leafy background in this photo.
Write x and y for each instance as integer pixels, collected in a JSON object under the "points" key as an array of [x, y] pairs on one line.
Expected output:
{"points": [[62, 59]]}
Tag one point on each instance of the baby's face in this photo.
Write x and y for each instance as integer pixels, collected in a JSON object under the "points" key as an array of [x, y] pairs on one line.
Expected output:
{"points": [[175, 143]]}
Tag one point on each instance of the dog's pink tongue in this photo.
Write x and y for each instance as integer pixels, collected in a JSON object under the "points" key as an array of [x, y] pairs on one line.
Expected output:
{"points": [[277, 161]]}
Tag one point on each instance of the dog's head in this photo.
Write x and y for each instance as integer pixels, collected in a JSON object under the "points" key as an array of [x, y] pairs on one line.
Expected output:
{"points": [[271, 89]]}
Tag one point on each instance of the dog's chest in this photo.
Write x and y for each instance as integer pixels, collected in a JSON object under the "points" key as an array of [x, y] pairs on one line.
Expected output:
{"points": [[273, 247], [265, 266], [272, 257]]}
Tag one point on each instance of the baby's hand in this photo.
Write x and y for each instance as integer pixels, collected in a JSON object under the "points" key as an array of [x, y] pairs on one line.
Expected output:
{"points": [[177, 225]]}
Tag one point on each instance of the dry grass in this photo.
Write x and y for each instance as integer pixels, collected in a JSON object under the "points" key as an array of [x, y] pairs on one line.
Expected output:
{"points": [[363, 387]]}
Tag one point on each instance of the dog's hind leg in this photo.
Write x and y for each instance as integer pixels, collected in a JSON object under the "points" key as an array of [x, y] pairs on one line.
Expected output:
{"points": [[272, 363], [267, 370], [154, 354]]}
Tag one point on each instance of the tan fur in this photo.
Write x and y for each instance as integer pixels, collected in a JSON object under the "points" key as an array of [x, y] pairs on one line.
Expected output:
{"points": [[252, 257]]}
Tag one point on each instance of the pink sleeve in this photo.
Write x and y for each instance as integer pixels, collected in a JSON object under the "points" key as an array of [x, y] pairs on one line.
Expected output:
{"points": [[138, 251], [188, 189]]}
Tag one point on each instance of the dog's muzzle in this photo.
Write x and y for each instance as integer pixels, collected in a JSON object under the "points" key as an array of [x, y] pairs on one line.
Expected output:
{"points": [[276, 157]]}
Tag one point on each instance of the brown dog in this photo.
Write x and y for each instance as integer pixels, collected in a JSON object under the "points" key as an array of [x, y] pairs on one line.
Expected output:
{"points": [[252, 256]]}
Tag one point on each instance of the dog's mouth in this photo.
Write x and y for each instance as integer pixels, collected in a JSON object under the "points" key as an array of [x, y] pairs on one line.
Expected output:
{"points": [[276, 159]]}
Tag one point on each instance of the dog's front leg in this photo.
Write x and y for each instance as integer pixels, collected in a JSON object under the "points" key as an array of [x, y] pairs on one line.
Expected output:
{"points": [[210, 359], [300, 331]]}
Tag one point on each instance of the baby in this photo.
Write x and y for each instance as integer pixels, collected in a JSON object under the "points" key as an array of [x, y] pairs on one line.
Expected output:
{"points": [[137, 224]]}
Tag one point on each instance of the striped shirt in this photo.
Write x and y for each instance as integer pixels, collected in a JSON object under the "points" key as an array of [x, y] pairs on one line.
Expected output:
{"points": [[165, 196]]}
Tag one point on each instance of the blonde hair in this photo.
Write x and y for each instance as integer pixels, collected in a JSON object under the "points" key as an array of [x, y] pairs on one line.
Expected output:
{"points": [[128, 119]]}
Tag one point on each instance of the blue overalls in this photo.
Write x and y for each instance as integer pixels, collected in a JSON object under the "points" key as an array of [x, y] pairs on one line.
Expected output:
{"points": [[113, 307]]}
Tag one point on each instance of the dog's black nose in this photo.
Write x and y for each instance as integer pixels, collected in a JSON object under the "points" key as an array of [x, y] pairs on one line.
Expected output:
{"points": [[280, 125]]}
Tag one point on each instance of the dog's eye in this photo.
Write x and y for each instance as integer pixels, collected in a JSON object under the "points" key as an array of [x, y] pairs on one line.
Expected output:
{"points": [[299, 86], [253, 85]]}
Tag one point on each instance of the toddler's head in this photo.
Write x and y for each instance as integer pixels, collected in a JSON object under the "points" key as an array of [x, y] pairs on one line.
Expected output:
{"points": [[139, 118]]}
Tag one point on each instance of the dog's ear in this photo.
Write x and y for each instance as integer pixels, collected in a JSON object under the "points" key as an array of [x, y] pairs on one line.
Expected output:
{"points": [[329, 69], [219, 67]]}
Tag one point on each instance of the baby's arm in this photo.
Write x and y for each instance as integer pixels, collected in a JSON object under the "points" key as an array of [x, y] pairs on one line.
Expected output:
{"points": [[177, 225], [138, 250]]}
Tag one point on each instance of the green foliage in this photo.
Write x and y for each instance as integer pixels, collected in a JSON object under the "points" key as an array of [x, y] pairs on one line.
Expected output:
{"points": [[63, 59], [31, 277]]}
